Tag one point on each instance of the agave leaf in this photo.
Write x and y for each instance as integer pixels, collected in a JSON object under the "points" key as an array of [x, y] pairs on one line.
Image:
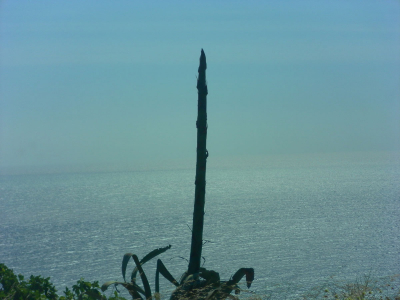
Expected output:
{"points": [[105, 285], [143, 277], [132, 288], [125, 261], [248, 272], [154, 253], [145, 259], [164, 271], [167, 275]]}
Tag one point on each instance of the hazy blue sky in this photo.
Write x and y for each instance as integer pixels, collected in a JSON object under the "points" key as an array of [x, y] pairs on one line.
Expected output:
{"points": [[102, 83]]}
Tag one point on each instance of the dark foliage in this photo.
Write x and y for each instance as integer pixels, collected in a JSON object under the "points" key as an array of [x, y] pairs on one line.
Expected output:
{"points": [[14, 287]]}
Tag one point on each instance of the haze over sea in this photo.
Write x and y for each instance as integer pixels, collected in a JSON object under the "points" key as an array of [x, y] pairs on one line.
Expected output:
{"points": [[297, 219]]}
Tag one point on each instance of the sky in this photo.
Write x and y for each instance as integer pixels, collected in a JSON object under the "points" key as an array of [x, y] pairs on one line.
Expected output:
{"points": [[112, 84]]}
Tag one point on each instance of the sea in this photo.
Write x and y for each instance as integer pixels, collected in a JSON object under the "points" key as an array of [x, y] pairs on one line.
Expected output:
{"points": [[301, 221]]}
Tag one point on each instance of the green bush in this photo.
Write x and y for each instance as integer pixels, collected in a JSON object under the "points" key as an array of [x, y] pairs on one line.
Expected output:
{"points": [[14, 287]]}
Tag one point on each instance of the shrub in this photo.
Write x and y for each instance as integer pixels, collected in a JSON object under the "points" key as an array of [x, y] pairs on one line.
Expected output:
{"points": [[14, 287]]}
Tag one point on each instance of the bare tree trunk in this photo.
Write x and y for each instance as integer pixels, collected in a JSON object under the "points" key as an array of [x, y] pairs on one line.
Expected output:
{"points": [[202, 154]]}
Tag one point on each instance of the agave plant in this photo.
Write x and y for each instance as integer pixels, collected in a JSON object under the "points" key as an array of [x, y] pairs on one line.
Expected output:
{"points": [[197, 282], [204, 285]]}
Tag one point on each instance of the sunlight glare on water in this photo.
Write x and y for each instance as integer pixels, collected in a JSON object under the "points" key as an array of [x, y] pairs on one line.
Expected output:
{"points": [[297, 221]]}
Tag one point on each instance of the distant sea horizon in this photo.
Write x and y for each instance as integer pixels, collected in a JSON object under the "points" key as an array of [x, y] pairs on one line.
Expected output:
{"points": [[228, 161], [299, 220]]}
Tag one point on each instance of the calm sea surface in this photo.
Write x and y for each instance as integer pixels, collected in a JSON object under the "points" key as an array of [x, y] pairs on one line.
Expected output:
{"points": [[298, 220]]}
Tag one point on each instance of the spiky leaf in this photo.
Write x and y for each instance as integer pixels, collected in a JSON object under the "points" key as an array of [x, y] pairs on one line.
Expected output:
{"points": [[132, 288], [105, 285], [145, 259], [143, 277], [125, 261]]}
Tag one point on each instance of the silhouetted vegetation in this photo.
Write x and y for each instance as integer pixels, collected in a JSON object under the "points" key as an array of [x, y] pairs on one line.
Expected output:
{"points": [[363, 288], [15, 287], [196, 282], [201, 164]]}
